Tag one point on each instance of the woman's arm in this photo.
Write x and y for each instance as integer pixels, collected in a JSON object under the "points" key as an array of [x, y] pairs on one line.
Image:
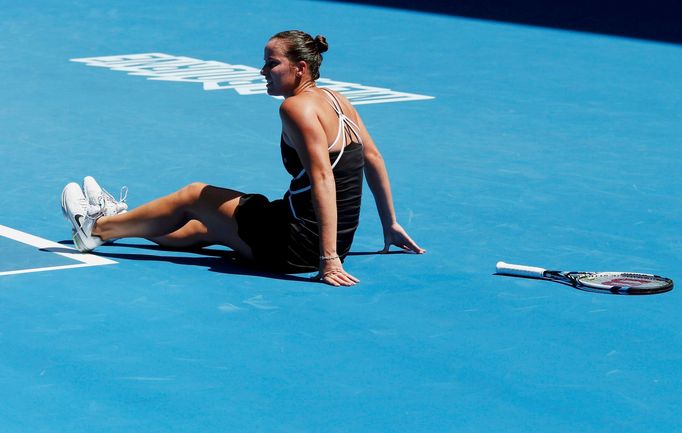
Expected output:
{"points": [[377, 179], [303, 131]]}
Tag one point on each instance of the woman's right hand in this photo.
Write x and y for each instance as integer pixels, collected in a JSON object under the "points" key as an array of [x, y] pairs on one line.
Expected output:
{"points": [[396, 235], [332, 273]]}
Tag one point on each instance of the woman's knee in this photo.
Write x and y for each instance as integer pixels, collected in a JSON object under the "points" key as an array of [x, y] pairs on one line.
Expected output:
{"points": [[191, 194]]}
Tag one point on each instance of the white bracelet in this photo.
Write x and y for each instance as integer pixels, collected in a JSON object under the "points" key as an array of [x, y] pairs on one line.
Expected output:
{"points": [[327, 258]]}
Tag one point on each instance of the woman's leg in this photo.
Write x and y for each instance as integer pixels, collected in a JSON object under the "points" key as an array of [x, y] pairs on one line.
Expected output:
{"points": [[214, 207], [192, 234]]}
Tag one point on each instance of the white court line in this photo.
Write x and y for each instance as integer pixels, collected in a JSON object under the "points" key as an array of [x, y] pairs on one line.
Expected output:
{"points": [[44, 244]]}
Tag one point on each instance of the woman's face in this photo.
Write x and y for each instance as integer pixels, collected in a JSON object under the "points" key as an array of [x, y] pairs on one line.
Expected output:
{"points": [[279, 72]]}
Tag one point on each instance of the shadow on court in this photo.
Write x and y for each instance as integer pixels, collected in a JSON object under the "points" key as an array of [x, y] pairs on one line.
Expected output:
{"points": [[655, 20], [221, 261]]}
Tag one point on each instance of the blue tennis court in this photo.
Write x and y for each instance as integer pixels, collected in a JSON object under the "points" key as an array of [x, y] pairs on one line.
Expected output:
{"points": [[504, 141]]}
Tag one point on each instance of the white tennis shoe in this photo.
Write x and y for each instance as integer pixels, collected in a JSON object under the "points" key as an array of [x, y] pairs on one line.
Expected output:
{"points": [[98, 196], [82, 216]]}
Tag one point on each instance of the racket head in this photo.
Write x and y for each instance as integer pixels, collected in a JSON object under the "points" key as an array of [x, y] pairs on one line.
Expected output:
{"points": [[625, 283]]}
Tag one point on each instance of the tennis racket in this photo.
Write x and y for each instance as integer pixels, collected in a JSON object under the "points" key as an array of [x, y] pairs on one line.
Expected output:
{"points": [[619, 283]]}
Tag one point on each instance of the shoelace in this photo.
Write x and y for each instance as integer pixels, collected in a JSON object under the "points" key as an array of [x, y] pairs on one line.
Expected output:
{"points": [[123, 195], [106, 198]]}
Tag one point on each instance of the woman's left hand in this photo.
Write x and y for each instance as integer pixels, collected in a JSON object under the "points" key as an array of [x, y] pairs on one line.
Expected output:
{"points": [[396, 235], [332, 273]]}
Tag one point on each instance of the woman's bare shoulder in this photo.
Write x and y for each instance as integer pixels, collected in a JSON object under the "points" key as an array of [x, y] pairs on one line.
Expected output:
{"points": [[299, 105]]}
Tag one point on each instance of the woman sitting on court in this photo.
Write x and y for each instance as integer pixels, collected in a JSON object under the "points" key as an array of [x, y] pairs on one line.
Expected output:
{"points": [[325, 147]]}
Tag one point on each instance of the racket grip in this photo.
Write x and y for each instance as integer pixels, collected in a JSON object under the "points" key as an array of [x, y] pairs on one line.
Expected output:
{"points": [[519, 270]]}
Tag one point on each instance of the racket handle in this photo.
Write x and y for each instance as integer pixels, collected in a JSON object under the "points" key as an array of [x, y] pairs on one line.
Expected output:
{"points": [[519, 270]]}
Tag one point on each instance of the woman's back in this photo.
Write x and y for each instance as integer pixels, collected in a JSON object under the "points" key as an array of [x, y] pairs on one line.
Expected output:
{"points": [[346, 159]]}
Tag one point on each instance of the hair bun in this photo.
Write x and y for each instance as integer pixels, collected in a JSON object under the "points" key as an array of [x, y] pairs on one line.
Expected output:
{"points": [[321, 44]]}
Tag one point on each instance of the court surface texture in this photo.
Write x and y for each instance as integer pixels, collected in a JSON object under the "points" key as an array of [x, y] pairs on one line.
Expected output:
{"points": [[528, 144]]}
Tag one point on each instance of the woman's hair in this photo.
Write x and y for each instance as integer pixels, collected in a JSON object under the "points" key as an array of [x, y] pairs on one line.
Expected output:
{"points": [[302, 46]]}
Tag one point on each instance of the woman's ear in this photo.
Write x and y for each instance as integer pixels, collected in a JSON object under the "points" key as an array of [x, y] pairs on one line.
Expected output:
{"points": [[301, 68]]}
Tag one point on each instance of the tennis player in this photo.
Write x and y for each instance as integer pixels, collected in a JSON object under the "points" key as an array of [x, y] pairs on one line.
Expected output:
{"points": [[325, 148]]}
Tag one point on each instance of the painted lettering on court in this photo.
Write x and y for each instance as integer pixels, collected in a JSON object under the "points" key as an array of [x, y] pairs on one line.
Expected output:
{"points": [[245, 80]]}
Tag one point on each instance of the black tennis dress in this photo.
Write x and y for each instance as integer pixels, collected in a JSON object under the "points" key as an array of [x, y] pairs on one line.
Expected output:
{"points": [[283, 234]]}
